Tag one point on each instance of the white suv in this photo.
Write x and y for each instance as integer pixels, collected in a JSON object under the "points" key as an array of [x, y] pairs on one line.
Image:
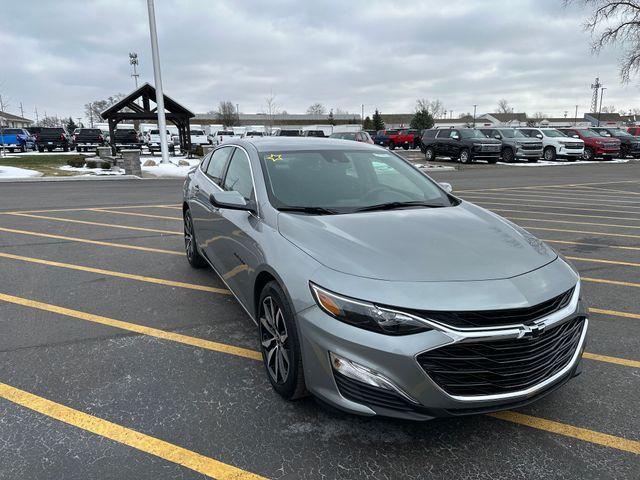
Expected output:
{"points": [[556, 144]]}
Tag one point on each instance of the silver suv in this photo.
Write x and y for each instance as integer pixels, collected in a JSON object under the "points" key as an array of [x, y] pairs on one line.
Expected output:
{"points": [[515, 144]]}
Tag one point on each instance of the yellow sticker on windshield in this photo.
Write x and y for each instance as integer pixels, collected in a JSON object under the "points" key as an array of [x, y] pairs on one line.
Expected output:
{"points": [[275, 157]]}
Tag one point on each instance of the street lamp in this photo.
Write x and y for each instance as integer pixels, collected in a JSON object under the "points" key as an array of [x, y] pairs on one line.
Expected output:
{"points": [[600, 107], [162, 121], [474, 115]]}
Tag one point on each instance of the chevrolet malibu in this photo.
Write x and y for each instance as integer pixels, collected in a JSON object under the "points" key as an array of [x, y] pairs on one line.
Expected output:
{"points": [[376, 289]]}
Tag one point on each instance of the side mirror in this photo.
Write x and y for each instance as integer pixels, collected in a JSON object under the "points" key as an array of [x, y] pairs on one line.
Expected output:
{"points": [[456, 136], [446, 187], [539, 135], [575, 136], [231, 200], [497, 136]]}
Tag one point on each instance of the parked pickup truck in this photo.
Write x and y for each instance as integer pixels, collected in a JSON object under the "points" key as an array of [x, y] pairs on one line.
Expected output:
{"points": [[16, 139], [198, 137], [153, 140], [127, 138], [87, 139], [595, 145], [50, 138]]}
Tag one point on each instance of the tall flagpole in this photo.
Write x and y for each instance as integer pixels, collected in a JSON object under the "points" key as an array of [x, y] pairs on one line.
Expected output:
{"points": [[162, 122]]}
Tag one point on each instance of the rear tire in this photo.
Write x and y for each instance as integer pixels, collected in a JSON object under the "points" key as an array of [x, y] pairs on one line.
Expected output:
{"points": [[508, 155], [405, 146], [392, 146], [429, 154], [41, 149], [190, 246], [65, 148], [465, 156], [549, 154], [279, 343], [78, 149]]}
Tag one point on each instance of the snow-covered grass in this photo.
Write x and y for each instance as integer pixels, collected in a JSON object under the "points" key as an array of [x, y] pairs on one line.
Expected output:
{"points": [[15, 172], [91, 171]]}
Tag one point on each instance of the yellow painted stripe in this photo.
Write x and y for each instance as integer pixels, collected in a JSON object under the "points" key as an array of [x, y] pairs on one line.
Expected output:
{"points": [[80, 209], [600, 260], [135, 214], [553, 207], [560, 214], [111, 273], [546, 220], [578, 195], [591, 200], [92, 242], [527, 187], [132, 327], [614, 313], [126, 436], [625, 235], [568, 242], [610, 282], [533, 201], [626, 192], [84, 222], [618, 361], [583, 434]]}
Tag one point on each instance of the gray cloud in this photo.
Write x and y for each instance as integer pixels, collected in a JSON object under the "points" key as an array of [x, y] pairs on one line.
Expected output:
{"points": [[56, 56]]}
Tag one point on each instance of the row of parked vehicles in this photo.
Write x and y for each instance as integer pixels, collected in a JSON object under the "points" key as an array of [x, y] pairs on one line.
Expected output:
{"points": [[528, 143]]}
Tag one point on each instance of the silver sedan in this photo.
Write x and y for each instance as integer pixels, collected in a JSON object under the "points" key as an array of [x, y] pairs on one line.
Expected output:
{"points": [[376, 289]]}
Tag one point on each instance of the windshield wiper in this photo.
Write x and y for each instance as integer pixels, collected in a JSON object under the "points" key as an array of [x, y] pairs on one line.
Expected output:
{"points": [[394, 205], [309, 210]]}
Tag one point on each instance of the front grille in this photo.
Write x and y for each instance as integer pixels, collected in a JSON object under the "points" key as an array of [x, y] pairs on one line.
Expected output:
{"points": [[365, 394], [497, 318], [503, 366], [490, 148], [531, 146], [573, 146], [635, 146]]}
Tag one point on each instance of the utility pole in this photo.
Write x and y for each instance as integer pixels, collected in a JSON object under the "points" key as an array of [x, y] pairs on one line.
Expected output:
{"points": [[91, 114], [133, 60], [157, 77], [21, 110], [37, 119], [600, 107], [474, 115], [238, 113], [575, 119], [594, 98], [362, 115]]}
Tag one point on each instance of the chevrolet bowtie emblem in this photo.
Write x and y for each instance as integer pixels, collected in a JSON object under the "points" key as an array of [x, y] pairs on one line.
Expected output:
{"points": [[531, 331]]}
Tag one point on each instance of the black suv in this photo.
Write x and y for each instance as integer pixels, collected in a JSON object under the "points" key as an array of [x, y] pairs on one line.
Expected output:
{"points": [[629, 145], [464, 144]]}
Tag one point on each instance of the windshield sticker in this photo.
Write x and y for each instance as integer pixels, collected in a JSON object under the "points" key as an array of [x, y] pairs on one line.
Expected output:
{"points": [[275, 157]]}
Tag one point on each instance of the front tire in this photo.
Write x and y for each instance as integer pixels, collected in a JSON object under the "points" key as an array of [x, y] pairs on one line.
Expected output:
{"points": [[190, 246], [429, 154], [405, 146], [279, 343], [392, 146], [549, 154], [465, 156], [588, 154], [508, 155]]}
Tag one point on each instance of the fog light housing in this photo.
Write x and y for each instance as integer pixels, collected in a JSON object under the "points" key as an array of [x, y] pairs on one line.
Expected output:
{"points": [[362, 374]]}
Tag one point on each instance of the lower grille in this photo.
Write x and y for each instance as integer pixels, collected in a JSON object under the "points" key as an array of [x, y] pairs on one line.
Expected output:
{"points": [[573, 146], [365, 394], [503, 366], [531, 146]]}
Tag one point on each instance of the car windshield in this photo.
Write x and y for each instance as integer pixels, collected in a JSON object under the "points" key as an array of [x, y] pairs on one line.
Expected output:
{"points": [[345, 181], [587, 134], [620, 133], [13, 131], [553, 133], [470, 133], [511, 133], [197, 132]]}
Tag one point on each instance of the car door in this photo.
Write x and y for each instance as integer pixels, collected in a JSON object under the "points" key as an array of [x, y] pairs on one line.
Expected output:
{"points": [[453, 144], [441, 144], [207, 179], [234, 234]]}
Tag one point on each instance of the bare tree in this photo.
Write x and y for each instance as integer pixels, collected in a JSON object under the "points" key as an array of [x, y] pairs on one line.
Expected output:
{"points": [[609, 109], [51, 121], [92, 110], [270, 108], [504, 107], [316, 109], [536, 119], [615, 23], [227, 113], [435, 108]]}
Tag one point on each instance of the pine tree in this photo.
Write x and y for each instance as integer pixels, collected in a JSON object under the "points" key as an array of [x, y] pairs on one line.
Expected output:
{"points": [[70, 125], [330, 118], [422, 119], [368, 124], [378, 122]]}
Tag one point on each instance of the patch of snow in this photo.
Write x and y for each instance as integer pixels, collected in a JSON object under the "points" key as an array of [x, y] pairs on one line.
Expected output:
{"points": [[92, 171], [169, 170], [15, 172]]}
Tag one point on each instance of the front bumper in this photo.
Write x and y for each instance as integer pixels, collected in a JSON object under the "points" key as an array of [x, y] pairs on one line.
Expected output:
{"points": [[528, 153], [417, 396]]}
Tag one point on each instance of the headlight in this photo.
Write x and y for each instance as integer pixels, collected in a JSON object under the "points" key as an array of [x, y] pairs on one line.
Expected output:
{"points": [[366, 315]]}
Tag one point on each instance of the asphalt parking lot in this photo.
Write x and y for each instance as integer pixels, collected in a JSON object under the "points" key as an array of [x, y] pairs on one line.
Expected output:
{"points": [[117, 360]]}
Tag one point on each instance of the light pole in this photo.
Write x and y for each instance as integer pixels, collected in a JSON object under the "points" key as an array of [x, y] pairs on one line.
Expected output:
{"points": [[133, 60], [575, 119], [474, 115], [600, 107], [162, 121]]}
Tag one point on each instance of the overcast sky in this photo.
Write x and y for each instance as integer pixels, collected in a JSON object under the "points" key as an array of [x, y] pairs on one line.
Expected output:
{"points": [[58, 55]]}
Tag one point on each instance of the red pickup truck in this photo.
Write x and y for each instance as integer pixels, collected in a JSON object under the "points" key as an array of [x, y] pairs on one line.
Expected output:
{"points": [[406, 138]]}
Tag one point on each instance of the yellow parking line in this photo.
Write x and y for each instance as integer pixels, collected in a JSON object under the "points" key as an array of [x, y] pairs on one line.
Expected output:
{"points": [[560, 214], [618, 361], [625, 235], [92, 242], [111, 273], [132, 327], [80, 209], [529, 199], [583, 434], [614, 313], [135, 214], [482, 202], [612, 190], [126, 436], [84, 222], [577, 194], [572, 222], [600, 260], [611, 282], [568, 242], [526, 187]]}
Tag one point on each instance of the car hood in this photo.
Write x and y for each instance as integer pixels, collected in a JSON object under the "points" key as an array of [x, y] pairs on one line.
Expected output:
{"points": [[462, 243]]}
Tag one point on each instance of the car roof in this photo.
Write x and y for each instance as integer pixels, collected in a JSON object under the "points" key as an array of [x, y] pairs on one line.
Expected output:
{"points": [[269, 144]]}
